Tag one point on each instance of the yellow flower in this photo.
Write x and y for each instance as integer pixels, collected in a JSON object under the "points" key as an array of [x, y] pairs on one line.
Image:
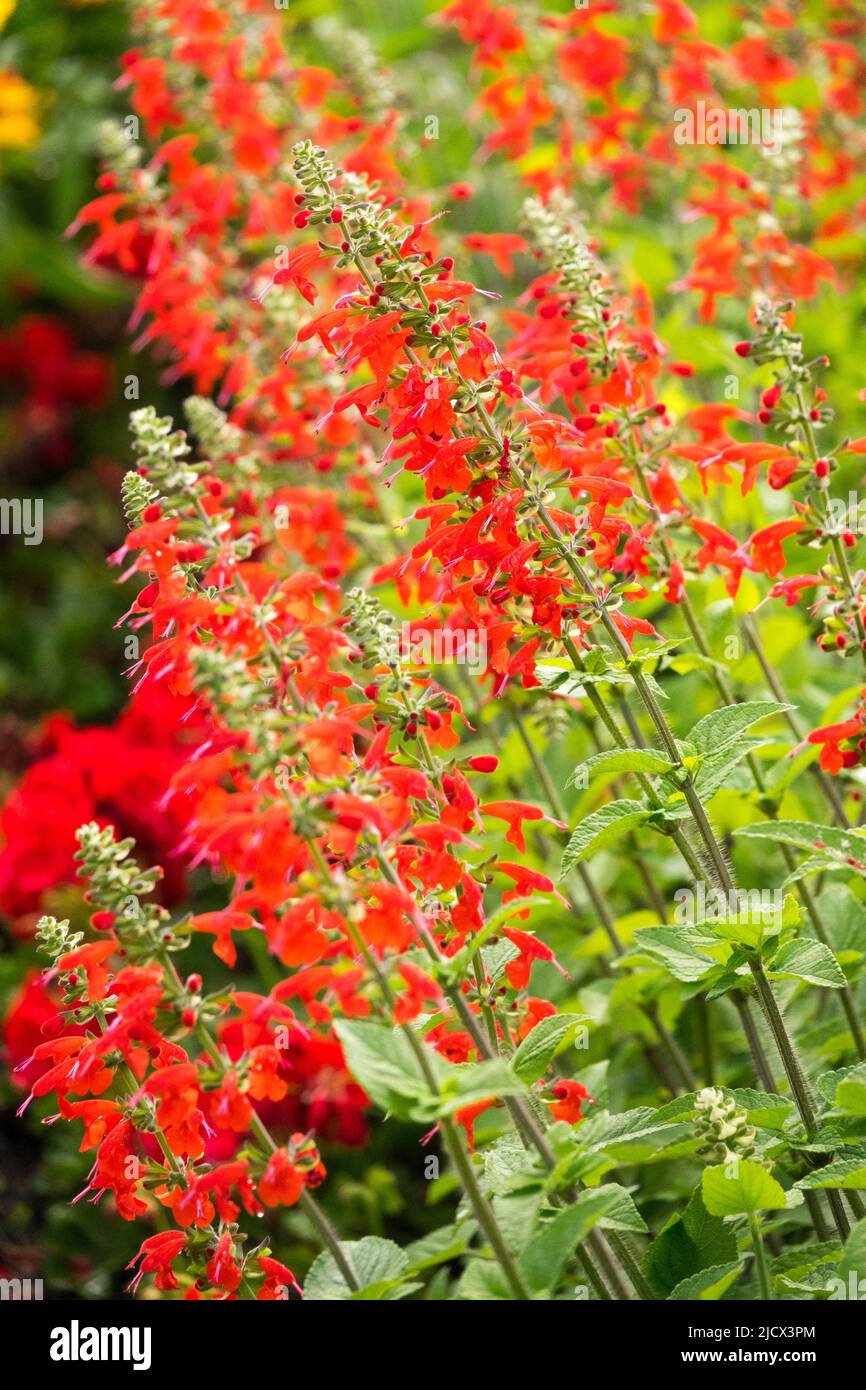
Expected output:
{"points": [[18, 126], [6, 8]]}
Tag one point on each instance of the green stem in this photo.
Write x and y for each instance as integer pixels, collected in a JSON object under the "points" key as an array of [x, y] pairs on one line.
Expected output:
{"points": [[760, 1257], [753, 637], [790, 1059], [453, 1141], [483, 1211], [622, 1247]]}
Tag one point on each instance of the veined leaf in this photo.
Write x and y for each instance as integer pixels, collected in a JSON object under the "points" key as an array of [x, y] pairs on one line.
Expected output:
{"points": [[508, 1167], [604, 1131], [544, 1258], [540, 1046], [723, 726], [843, 1172], [751, 1189], [675, 948], [764, 1109], [811, 961], [687, 1245], [815, 864], [471, 1082], [851, 1096], [718, 767], [614, 760], [755, 923], [709, 1285], [379, 1265], [382, 1061], [606, 825], [830, 843]]}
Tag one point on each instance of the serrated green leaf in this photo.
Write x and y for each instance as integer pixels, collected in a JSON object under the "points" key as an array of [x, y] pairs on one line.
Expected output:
{"points": [[747, 1188], [724, 726], [509, 1167], [544, 1258], [831, 845], [756, 922], [688, 1244], [541, 1045], [843, 1172], [709, 1285], [811, 961], [606, 825], [471, 1082], [378, 1264], [717, 769], [675, 949], [382, 1061], [851, 1096], [616, 760], [604, 1131]]}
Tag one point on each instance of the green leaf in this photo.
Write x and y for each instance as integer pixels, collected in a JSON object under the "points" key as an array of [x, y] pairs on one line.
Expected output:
{"points": [[573, 684], [811, 961], [844, 916], [544, 1257], [676, 949], [844, 1173], [515, 1216], [446, 1243], [496, 958], [717, 768], [827, 1083], [508, 1167], [851, 1096], [539, 1047], [603, 1131], [752, 1189], [624, 1215], [800, 1260], [616, 760], [382, 1061], [688, 1244], [763, 1108], [603, 827], [854, 1255], [831, 845], [379, 1266], [471, 1082], [755, 923], [724, 726], [709, 1285], [482, 1282]]}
